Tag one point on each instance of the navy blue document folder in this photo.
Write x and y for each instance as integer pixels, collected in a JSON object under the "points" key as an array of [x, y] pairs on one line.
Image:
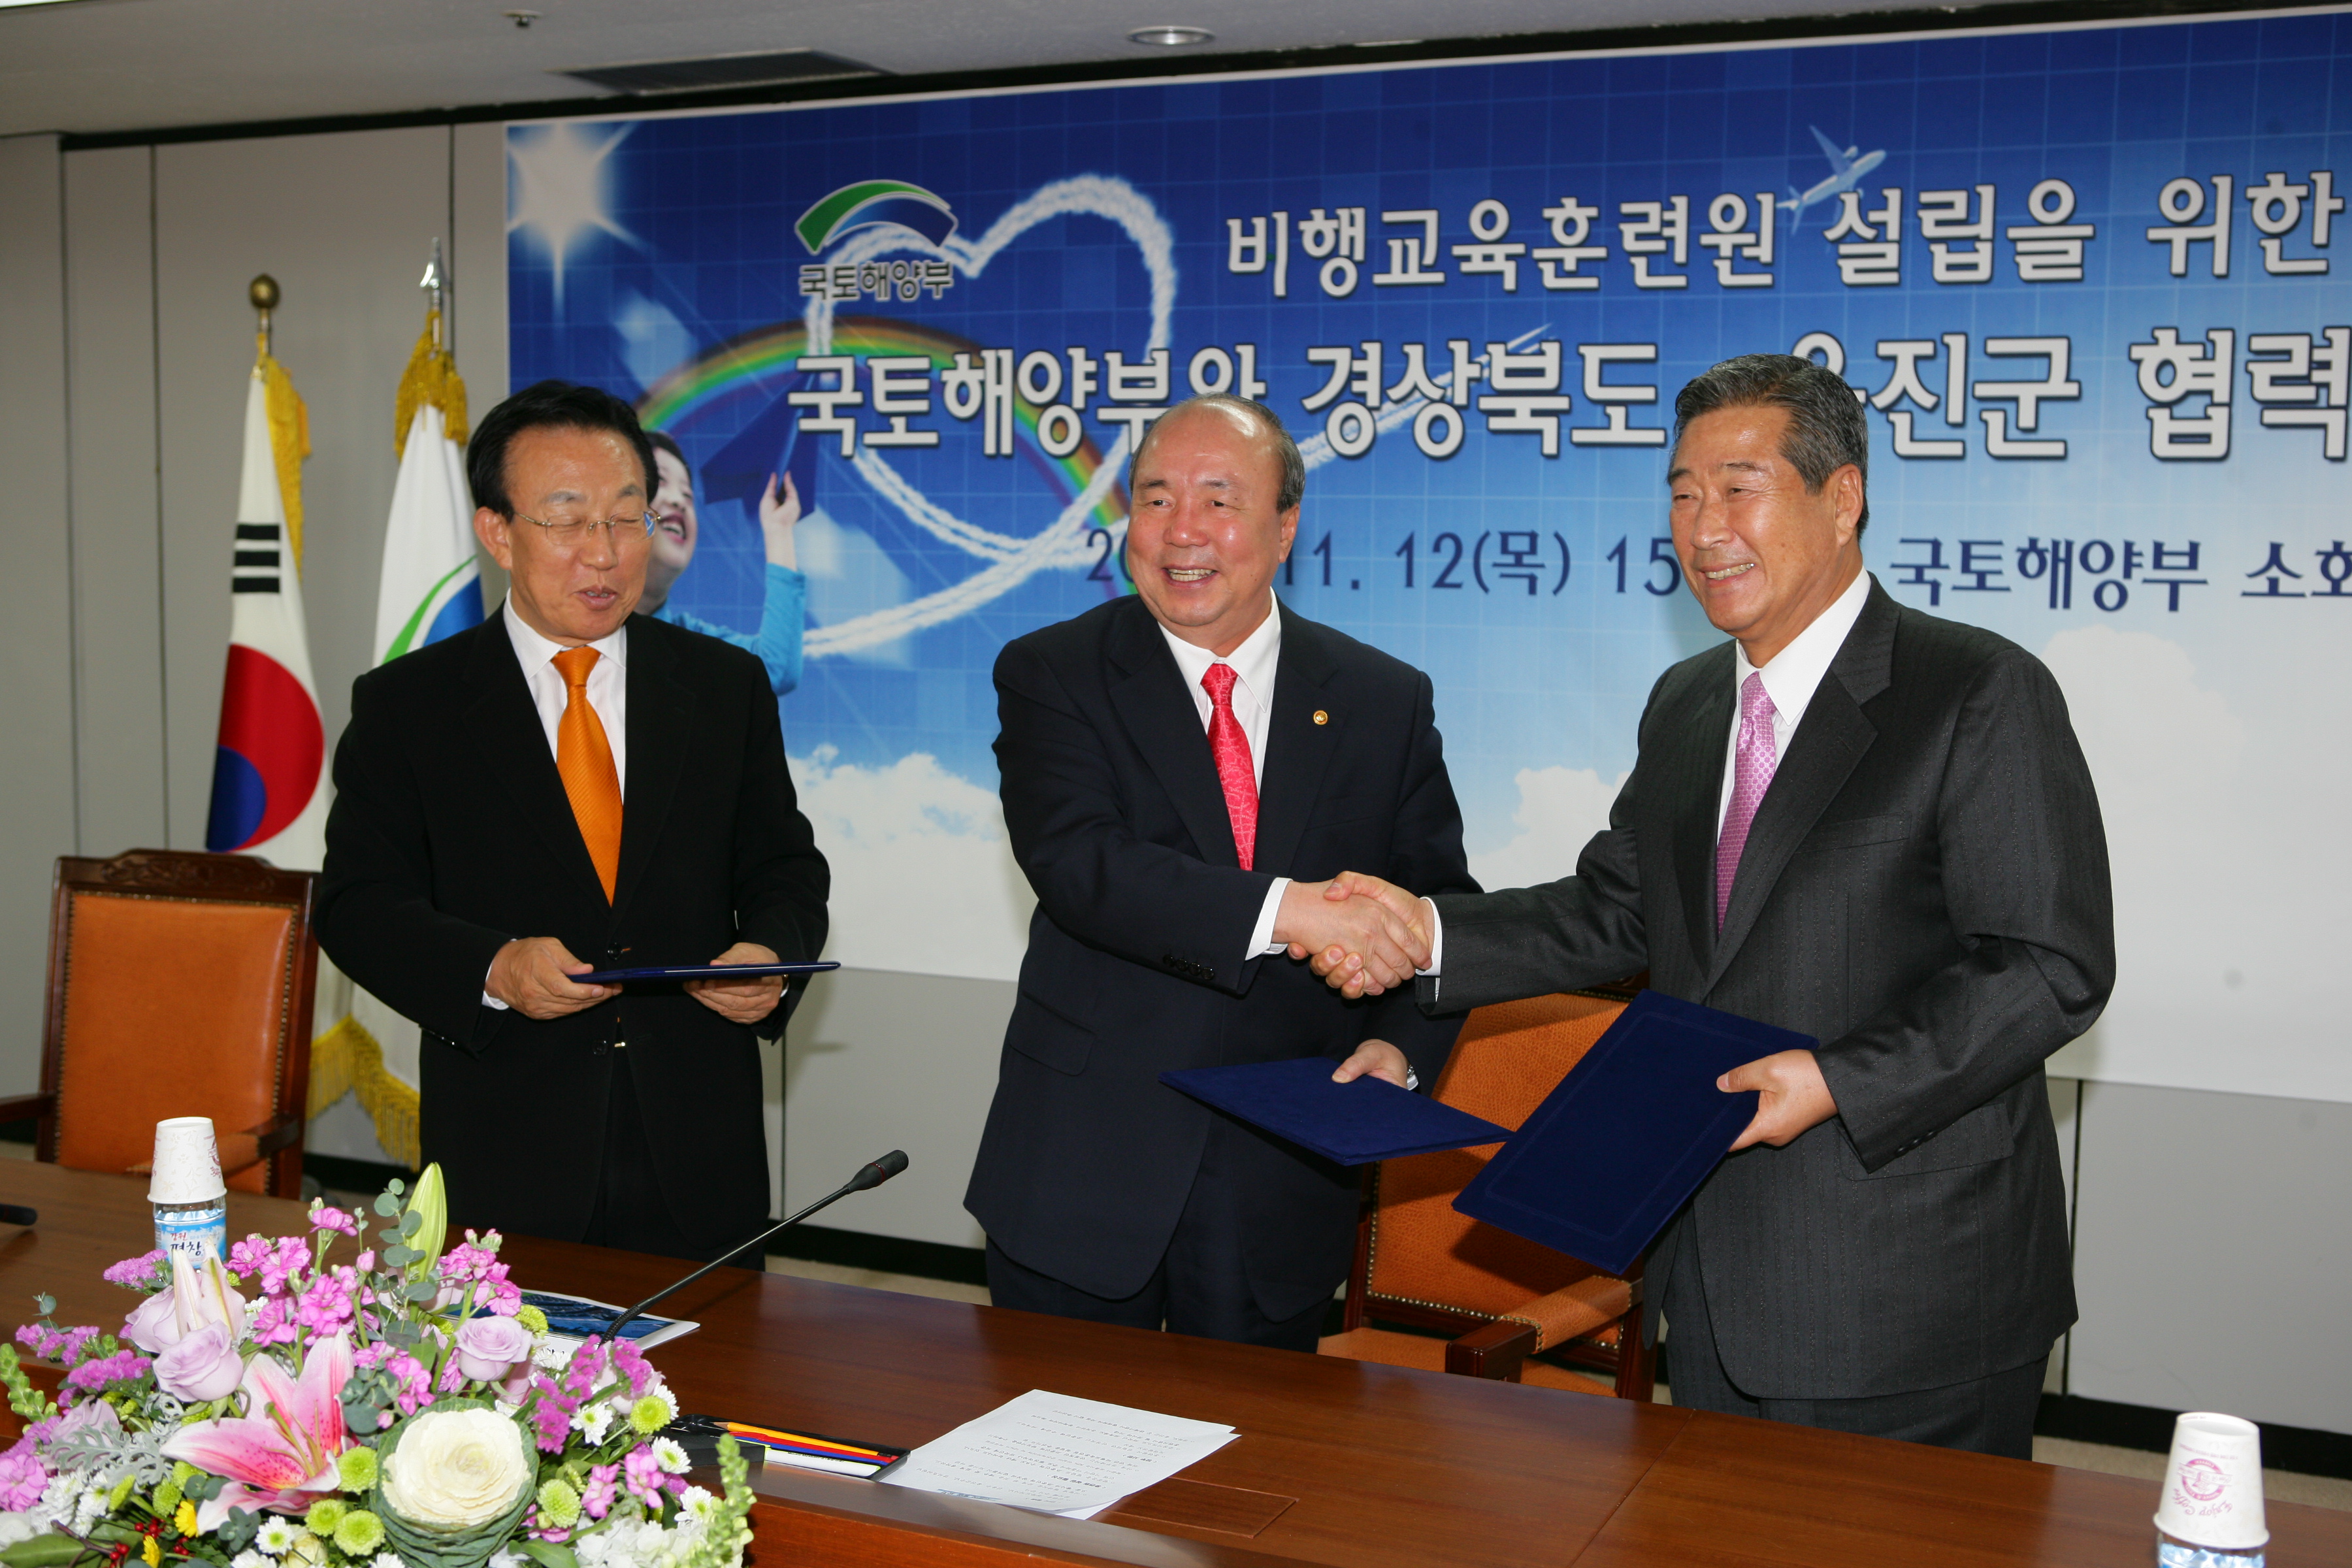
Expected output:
{"points": [[699, 972], [1628, 1134], [1348, 1123]]}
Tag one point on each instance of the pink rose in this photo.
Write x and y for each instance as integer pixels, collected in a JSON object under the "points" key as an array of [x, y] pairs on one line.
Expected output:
{"points": [[154, 1327], [489, 1348], [196, 1299], [205, 1365]]}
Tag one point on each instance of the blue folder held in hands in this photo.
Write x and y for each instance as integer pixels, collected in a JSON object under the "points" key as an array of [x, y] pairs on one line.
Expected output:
{"points": [[1628, 1134], [1354, 1123]]}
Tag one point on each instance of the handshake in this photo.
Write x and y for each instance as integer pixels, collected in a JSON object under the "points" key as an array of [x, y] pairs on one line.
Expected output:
{"points": [[1363, 935]]}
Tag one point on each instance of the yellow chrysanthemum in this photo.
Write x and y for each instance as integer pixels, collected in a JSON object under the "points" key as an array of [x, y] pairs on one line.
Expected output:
{"points": [[185, 1521]]}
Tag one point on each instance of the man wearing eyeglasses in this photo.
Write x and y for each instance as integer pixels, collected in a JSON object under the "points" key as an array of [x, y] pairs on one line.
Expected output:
{"points": [[571, 786]]}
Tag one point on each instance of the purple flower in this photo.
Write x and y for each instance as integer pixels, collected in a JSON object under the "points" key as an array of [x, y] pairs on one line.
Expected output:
{"points": [[56, 1344], [596, 1497], [203, 1366], [22, 1479], [551, 1415], [632, 1362], [489, 1348], [145, 1272], [97, 1376]]}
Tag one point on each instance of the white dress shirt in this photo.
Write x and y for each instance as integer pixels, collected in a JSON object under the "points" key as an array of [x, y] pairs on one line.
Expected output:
{"points": [[1791, 680], [608, 686], [1254, 664], [608, 694]]}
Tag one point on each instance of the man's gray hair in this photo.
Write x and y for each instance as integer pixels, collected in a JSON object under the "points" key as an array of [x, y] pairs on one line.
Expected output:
{"points": [[1285, 450], [1826, 428]]}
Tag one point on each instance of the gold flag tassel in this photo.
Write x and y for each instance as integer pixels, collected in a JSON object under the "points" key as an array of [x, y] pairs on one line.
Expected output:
{"points": [[289, 426], [431, 380]]}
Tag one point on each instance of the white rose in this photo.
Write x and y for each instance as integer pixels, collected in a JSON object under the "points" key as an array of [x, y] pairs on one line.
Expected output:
{"points": [[457, 1469]]}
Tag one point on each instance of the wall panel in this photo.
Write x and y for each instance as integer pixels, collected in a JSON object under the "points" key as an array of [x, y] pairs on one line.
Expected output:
{"points": [[121, 688], [2210, 1254], [878, 1060], [36, 765]]}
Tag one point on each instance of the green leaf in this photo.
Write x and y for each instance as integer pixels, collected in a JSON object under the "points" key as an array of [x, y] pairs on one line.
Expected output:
{"points": [[411, 1223], [547, 1554], [47, 1551]]}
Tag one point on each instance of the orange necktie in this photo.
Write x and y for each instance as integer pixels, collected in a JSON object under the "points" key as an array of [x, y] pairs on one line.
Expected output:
{"points": [[584, 760]]}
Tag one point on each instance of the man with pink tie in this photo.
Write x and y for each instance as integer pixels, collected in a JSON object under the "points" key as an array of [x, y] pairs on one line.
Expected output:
{"points": [[1874, 827], [1182, 770]]}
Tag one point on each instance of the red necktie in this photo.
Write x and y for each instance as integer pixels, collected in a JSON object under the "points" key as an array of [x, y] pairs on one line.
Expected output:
{"points": [[1234, 767]]}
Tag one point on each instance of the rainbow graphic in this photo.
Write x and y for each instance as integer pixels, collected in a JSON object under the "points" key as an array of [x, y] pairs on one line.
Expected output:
{"points": [[732, 378]]}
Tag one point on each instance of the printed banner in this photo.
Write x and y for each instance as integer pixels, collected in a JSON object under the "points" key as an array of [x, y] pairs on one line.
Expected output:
{"points": [[2085, 278]]}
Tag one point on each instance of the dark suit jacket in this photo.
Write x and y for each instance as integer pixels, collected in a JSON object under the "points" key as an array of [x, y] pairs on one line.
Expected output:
{"points": [[451, 834], [1923, 891], [1137, 964]]}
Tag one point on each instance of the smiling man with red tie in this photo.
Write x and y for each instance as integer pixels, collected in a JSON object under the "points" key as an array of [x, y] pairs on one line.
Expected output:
{"points": [[1182, 772]]}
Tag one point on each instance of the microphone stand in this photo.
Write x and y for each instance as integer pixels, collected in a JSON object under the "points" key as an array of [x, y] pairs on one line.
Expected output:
{"points": [[870, 1175]]}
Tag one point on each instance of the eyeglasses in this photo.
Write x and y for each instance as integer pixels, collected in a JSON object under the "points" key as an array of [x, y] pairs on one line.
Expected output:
{"points": [[571, 534]]}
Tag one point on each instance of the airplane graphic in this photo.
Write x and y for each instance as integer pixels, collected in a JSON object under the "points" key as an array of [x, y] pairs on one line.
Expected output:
{"points": [[1849, 166]]}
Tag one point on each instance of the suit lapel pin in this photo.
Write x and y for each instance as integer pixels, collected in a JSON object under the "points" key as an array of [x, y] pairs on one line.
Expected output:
{"points": [[1321, 717]]}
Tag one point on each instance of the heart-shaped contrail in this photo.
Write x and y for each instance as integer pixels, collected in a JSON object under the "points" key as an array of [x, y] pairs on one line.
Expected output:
{"points": [[1013, 561]]}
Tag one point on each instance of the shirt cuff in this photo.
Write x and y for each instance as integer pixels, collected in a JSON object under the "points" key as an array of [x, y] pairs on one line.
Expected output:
{"points": [[489, 1000], [1436, 939], [1262, 943]]}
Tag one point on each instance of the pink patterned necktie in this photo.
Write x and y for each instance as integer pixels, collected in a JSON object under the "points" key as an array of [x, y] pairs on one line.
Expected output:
{"points": [[1235, 770], [1750, 778]]}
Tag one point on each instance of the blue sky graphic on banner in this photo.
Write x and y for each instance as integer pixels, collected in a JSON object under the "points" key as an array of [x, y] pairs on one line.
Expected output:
{"points": [[2086, 277]]}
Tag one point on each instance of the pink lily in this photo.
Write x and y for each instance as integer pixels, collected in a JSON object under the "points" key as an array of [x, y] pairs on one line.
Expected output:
{"points": [[284, 1448]]}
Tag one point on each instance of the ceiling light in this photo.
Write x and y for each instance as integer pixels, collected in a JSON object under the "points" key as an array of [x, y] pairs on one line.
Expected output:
{"points": [[1172, 38]]}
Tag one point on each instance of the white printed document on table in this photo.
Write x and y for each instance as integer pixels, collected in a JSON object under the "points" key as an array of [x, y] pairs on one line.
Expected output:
{"points": [[1055, 1454]]}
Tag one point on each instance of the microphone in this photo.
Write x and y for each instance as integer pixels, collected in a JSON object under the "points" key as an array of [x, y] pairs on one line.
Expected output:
{"points": [[871, 1174]]}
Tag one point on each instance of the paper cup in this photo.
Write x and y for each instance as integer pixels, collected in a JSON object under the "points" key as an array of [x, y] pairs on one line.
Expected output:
{"points": [[2213, 1483], [188, 1163]]}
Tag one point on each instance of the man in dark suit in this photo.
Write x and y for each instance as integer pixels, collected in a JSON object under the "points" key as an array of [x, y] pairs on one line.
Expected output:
{"points": [[1178, 767], [1874, 827], [481, 855]]}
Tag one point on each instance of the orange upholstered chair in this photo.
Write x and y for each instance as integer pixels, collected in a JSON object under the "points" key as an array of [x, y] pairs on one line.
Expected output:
{"points": [[1514, 1308], [180, 984]]}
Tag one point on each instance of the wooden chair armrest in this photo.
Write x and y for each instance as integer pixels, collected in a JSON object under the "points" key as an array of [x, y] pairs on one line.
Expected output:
{"points": [[25, 1107], [282, 1130], [1494, 1351], [1574, 1310]]}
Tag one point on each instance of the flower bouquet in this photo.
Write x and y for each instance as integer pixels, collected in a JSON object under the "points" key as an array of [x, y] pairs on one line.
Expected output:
{"points": [[404, 1410]]}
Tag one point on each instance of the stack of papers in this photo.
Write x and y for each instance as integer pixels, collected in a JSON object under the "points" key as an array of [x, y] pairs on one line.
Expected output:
{"points": [[1054, 1453]]}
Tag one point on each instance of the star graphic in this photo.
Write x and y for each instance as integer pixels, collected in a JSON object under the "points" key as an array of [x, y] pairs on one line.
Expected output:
{"points": [[560, 190]]}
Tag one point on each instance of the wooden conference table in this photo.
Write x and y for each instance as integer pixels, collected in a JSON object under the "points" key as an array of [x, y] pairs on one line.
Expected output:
{"points": [[1337, 1462]]}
